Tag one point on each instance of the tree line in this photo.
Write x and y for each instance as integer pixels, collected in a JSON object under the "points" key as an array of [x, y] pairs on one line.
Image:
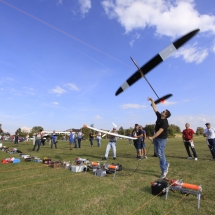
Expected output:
{"points": [[172, 130]]}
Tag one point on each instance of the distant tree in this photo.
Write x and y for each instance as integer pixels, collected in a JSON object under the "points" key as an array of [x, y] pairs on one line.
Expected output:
{"points": [[170, 132], [149, 129], [35, 129], [18, 130], [86, 132], [175, 128], [128, 131], [121, 131], [199, 131], [7, 133], [1, 131], [22, 133]]}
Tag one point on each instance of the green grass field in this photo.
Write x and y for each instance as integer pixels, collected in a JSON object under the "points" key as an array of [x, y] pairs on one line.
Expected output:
{"points": [[34, 188]]}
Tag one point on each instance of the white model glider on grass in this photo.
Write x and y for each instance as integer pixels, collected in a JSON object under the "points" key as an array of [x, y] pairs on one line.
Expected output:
{"points": [[107, 132]]}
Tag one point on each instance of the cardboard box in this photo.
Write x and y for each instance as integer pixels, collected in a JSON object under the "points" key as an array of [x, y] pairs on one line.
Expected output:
{"points": [[100, 172], [78, 168]]}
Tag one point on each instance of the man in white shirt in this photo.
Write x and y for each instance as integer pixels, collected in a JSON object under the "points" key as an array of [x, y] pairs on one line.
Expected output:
{"points": [[111, 144], [80, 135], [209, 132], [98, 138]]}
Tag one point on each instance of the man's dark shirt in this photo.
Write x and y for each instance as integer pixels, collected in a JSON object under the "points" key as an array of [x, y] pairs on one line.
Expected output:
{"points": [[161, 123]]}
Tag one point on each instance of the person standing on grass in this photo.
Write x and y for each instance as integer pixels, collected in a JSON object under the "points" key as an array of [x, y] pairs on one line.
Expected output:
{"points": [[143, 144], [53, 139], [16, 139], [91, 136], [130, 142], [137, 133], [209, 132], [38, 138], [75, 139], [187, 137], [111, 144], [160, 137], [80, 135], [71, 139], [98, 138]]}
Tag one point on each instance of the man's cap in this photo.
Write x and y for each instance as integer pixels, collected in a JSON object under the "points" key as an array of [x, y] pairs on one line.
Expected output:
{"points": [[136, 124], [207, 123]]}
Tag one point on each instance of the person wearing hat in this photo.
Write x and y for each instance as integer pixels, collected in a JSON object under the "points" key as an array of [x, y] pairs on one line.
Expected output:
{"points": [[209, 132], [137, 133], [187, 137], [111, 144], [160, 137]]}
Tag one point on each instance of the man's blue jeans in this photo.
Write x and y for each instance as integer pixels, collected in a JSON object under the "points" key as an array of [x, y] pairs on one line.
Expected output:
{"points": [[99, 142], [159, 147], [37, 143], [212, 146]]}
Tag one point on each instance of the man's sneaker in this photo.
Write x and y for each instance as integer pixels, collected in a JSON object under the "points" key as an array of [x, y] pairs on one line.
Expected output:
{"points": [[114, 158], [139, 157], [163, 175], [145, 157], [196, 159], [189, 158], [104, 158], [167, 169]]}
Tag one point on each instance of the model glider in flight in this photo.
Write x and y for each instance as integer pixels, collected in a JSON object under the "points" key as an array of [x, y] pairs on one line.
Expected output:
{"points": [[151, 64], [107, 132]]}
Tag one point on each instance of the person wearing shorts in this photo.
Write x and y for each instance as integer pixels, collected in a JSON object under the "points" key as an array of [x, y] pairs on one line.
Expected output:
{"points": [[137, 133]]}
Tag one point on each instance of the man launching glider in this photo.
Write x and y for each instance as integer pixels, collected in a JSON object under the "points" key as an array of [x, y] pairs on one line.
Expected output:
{"points": [[160, 137]]}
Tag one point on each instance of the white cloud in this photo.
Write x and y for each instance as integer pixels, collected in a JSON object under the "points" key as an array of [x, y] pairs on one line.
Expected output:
{"points": [[191, 53], [55, 103], [194, 121], [98, 117], [59, 2], [213, 47], [131, 43], [132, 106], [85, 6], [72, 86], [135, 37], [58, 90], [171, 18]]}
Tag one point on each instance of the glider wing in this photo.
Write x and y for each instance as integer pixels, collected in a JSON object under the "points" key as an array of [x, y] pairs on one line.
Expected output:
{"points": [[160, 57]]}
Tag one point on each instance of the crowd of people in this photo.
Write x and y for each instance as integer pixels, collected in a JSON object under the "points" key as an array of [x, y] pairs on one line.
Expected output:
{"points": [[137, 138]]}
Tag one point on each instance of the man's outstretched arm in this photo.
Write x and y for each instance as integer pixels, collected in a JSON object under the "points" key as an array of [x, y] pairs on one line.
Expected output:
{"points": [[153, 104]]}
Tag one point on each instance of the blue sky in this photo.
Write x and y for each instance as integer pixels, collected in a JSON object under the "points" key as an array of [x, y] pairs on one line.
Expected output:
{"points": [[61, 62]]}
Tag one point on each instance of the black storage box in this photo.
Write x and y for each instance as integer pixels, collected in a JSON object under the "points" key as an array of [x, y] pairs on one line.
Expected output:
{"points": [[158, 187]]}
